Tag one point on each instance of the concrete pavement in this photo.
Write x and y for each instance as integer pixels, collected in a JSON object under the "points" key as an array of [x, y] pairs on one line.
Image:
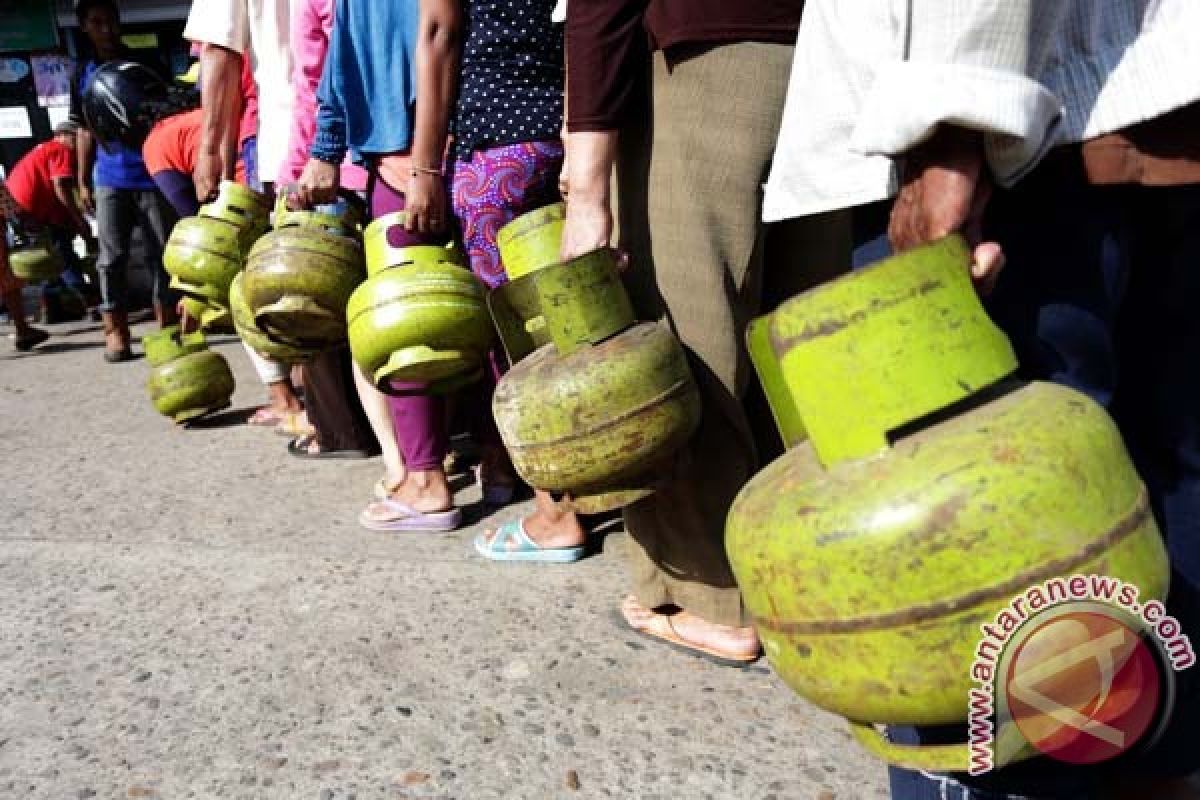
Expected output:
{"points": [[195, 614]]}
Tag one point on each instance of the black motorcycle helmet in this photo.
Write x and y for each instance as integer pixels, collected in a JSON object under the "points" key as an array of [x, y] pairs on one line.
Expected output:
{"points": [[122, 102]]}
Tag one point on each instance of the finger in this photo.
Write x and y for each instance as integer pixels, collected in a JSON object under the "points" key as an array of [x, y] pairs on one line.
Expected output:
{"points": [[986, 266], [410, 219], [622, 257], [900, 221]]}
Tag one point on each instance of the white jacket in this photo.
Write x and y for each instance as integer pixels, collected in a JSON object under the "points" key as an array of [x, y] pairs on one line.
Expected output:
{"points": [[873, 78]]}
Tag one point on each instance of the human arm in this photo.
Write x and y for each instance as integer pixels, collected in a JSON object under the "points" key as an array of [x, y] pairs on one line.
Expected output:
{"points": [[85, 144], [962, 109], [220, 97], [63, 190], [320, 178], [972, 65], [437, 59], [310, 39], [223, 27], [85, 149], [606, 52]]}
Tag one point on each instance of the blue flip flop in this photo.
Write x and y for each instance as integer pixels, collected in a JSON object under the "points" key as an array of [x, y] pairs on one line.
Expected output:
{"points": [[511, 543]]}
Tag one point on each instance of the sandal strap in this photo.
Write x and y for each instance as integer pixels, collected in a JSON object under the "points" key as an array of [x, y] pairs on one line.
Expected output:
{"points": [[512, 532]]}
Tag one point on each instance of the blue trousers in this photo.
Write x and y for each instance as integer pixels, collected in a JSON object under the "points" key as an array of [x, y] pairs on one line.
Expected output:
{"points": [[1100, 294]]}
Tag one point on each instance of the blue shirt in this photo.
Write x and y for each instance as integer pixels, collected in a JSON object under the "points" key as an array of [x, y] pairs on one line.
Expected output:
{"points": [[122, 168], [368, 88]]}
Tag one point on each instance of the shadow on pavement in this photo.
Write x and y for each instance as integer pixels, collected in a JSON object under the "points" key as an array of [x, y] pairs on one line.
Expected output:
{"points": [[222, 419]]}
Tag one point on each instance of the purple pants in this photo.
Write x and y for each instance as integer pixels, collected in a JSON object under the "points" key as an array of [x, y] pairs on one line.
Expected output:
{"points": [[419, 419]]}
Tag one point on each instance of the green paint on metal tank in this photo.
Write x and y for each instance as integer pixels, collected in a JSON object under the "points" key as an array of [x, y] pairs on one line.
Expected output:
{"points": [[423, 322], [255, 337], [298, 280], [932, 491], [382, 254], [36, 261], [532, 241], [590, 422], [191, 386], [873, 350], [203, 252], [170, 343]]}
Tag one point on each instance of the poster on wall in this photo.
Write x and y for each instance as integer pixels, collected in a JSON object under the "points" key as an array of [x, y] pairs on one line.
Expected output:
{"points": [[27, 25], [14, 123], [52, 80]]}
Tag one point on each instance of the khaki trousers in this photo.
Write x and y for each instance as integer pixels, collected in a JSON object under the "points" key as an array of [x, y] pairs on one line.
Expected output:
{"points": [[689, 210]]}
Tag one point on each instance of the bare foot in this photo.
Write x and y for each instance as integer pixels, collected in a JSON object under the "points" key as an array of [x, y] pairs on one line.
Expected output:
{"points": [[550, 526], [739, 644], [282, 398]]}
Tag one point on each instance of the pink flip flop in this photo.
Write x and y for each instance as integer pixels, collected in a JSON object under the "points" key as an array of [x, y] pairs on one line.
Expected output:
{"points": [[407, 519]]}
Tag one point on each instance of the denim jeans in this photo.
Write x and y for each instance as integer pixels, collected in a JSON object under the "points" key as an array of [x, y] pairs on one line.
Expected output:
{"points": [[1099, 294], [117, 212]]}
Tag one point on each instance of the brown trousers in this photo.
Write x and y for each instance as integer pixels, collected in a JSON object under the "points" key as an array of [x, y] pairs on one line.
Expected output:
{"points": [[333, 405], [689, 211]]}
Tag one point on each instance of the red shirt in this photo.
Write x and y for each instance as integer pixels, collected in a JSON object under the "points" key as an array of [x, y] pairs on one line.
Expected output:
{"points": [[172, 144], [32, 182]]}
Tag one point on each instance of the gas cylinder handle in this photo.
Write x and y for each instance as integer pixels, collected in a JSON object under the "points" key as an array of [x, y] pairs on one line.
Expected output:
{"points": [[927, 758]]}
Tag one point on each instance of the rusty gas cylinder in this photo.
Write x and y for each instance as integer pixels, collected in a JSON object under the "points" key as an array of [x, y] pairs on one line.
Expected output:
{"points": [[923, 489]]}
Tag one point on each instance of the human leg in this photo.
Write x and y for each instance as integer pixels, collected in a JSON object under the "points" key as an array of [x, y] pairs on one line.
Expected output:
{"points": [[157, 219], [115, 216], [179, 191], [333, 407], [700, 269], [491, 190], [416, 423]]}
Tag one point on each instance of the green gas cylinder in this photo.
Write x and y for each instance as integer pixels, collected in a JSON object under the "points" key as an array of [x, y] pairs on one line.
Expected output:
{"points": [[923, 489], [596, 403]]}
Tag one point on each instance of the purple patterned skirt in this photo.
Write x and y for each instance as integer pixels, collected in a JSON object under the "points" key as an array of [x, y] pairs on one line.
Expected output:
{"points": [[496, 186]]}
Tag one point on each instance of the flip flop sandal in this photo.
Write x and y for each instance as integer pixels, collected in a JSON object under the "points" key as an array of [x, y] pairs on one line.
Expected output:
{"points": [[300, 449], [512, 543], [382, 490], [265, 417], [407, 519], [290, 424], [662, 631]]}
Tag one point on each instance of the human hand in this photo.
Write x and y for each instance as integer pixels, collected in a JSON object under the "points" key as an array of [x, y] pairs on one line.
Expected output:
{"points": [[564, 182], [318, 184], [87, 198], [945, 190], [425, 203], [207, 177], [588, 227]]}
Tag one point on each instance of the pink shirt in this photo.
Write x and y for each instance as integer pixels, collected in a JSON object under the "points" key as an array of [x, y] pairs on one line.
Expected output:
{"points": [[312, 20]]}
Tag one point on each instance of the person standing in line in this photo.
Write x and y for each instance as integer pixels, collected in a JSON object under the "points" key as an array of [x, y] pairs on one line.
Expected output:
{"points": [[114, 184], [386, 95], [692, 226], [1063, 145], [508, 153], [232, 30], [312, 26]]}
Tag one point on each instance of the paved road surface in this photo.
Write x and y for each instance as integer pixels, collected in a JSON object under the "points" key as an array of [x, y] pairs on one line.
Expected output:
{"points": [[194, 613]]}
